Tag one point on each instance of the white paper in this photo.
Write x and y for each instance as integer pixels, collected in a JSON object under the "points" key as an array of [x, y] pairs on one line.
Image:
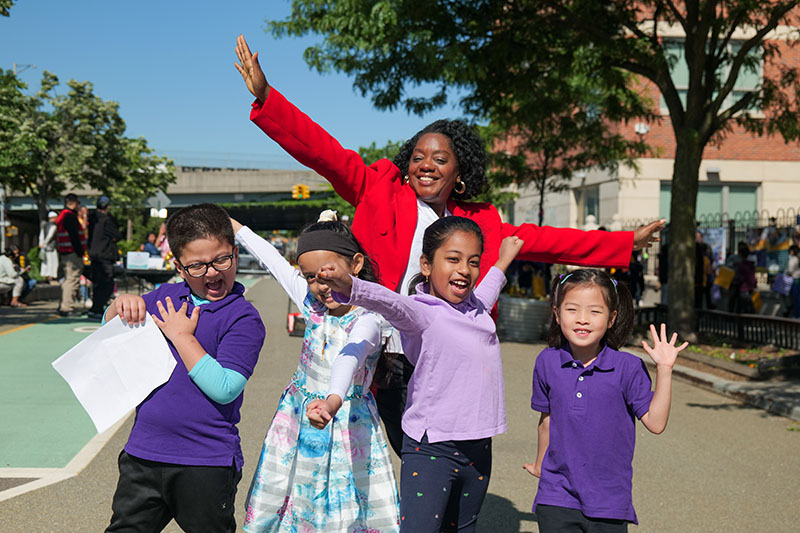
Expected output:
{"points": [[112, 370], [137, 260]]}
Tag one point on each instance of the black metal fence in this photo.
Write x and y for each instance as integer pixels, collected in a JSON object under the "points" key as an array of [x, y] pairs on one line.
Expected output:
{"points": [[748, 226], [756, 329]]}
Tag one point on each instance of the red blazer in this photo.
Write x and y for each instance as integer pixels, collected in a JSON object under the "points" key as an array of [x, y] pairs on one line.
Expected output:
{"points": [[386, 208]]}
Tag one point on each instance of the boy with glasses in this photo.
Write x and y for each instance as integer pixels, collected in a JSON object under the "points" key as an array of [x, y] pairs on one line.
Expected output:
{"points": [[183, 458]]}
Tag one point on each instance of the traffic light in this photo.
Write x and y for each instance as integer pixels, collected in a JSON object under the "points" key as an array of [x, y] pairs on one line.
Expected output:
{"points": [[296, 192], [305, 192]]}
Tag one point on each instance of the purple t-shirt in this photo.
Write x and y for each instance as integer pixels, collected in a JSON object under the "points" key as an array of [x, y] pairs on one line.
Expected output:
{"points": [[179, 424], [593, 412]]}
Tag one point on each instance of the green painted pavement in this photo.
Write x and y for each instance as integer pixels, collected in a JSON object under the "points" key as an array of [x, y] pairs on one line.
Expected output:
{"points": [[42, 424]]}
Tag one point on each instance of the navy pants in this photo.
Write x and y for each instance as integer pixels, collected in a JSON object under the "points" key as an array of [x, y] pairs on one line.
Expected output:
{"points": [[554, 519], [150, 494], [442, 485]]}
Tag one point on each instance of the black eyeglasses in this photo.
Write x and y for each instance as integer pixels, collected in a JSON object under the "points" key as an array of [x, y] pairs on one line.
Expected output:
{"points": [[198, 270]]}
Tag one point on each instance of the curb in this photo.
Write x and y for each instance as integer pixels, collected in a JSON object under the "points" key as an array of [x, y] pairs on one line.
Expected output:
{"points": [[772, 403]]}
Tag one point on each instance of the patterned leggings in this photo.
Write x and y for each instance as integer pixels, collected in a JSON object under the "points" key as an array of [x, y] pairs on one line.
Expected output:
{"points": [[442, 485]]}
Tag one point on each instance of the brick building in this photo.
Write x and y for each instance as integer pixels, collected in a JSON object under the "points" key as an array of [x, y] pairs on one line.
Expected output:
{"points": [[741, 173]]}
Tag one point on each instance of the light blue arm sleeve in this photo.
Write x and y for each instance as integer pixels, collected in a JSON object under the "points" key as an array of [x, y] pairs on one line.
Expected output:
{"points": [[222, 385]]}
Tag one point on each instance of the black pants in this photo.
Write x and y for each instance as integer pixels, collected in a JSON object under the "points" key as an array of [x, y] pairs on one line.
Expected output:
{"points": [[102, 282], [150, 494], [554, 519], [392, 377], [442, 485]]}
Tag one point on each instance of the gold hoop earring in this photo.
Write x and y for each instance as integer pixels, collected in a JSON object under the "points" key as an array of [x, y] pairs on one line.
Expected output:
{"points": [[463, 187], [405, 178]]}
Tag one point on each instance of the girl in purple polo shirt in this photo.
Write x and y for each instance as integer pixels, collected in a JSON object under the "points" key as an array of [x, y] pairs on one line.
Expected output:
{"points": [[455, 396], [590, 395]]}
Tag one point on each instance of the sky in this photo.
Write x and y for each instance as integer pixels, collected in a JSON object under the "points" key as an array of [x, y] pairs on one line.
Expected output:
{"points": [[169, 64]]}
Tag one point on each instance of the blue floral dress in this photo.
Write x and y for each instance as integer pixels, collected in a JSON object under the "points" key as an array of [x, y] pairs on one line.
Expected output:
{"points": [[336, 479]]}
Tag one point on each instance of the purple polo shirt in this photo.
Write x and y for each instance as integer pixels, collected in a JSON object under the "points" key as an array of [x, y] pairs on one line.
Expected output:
{"points": [[456, 391], [593, 412], [179, 424]]}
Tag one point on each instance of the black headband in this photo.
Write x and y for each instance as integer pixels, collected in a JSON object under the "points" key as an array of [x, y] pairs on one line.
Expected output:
{"points": [[325, 239]]}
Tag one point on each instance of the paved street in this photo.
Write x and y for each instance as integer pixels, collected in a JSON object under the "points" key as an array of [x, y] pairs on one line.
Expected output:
{"points": [[720, 466]]}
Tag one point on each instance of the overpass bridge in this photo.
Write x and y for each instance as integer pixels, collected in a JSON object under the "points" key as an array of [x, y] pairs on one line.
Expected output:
{"points": [[198, 184]]}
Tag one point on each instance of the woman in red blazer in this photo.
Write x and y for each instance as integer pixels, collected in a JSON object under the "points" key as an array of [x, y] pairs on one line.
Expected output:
{"points": [[434, 175]]}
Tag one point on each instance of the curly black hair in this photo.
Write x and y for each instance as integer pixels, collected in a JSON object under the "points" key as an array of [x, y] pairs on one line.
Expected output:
{"points": [[470, 153]]}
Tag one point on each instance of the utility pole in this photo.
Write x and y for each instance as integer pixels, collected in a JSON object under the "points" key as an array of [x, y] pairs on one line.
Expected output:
{"points": [[3, 222], [22, 68]]}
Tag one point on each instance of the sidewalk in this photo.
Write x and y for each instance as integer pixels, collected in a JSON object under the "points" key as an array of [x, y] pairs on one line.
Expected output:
{"points": [[780, 398]]}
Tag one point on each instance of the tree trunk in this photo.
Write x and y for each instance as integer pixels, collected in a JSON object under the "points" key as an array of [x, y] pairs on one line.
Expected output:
{"points": [[541, 205], [682, 226], [41, 206]]}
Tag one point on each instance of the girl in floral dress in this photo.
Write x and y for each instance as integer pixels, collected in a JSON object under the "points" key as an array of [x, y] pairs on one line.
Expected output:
{"points": [[338, 478]]}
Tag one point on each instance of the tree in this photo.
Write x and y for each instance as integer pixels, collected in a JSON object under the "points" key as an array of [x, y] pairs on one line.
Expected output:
{"points": [[720, 43], [5, 6], [75, 140], [15, 141], [496, 51]]}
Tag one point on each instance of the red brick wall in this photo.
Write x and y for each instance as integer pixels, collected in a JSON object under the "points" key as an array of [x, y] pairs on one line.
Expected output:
{"points": [[734, 145]]}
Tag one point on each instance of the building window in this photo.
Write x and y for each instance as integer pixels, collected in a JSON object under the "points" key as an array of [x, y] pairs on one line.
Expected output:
{"points": [[748, 80], [713, 201], [588, 202]]}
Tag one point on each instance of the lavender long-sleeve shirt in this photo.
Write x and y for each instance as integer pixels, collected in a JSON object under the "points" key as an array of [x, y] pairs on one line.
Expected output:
{"points": [[456, 391]]}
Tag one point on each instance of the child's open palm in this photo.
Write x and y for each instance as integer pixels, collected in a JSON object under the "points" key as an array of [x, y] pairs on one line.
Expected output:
{"points": [[174, 322], [663, 353]]}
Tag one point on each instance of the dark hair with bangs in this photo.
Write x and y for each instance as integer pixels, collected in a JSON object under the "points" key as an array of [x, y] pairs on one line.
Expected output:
{"points": [[198, 222], [369, 272], [469, 148], [616, 295]]}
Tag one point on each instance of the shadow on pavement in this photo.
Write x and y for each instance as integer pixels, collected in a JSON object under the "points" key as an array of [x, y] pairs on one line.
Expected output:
{"points": [[500, 514]]}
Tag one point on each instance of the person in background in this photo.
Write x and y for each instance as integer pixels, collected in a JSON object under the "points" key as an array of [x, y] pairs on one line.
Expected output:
{"points": [[161, 241], [23, 267], [744, 282], [71, 244], [702, 269], [663, 271], [636, 279], [150, 245], [103, 237], [793, 269], [47, 248], [11, 279]]}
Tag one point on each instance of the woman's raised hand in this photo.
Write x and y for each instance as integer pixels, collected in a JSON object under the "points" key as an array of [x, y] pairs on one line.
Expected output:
{"points": [[645, 236], [251, 71]]}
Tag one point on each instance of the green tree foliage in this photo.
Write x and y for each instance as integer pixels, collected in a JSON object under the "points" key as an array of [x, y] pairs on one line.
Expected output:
{"points": [[716, 44], [5, 7], [51, 143], [511, 57]]}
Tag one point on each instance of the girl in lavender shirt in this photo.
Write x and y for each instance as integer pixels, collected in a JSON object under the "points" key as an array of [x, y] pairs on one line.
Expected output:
{"points": [[450, 338], [590, 395]]}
